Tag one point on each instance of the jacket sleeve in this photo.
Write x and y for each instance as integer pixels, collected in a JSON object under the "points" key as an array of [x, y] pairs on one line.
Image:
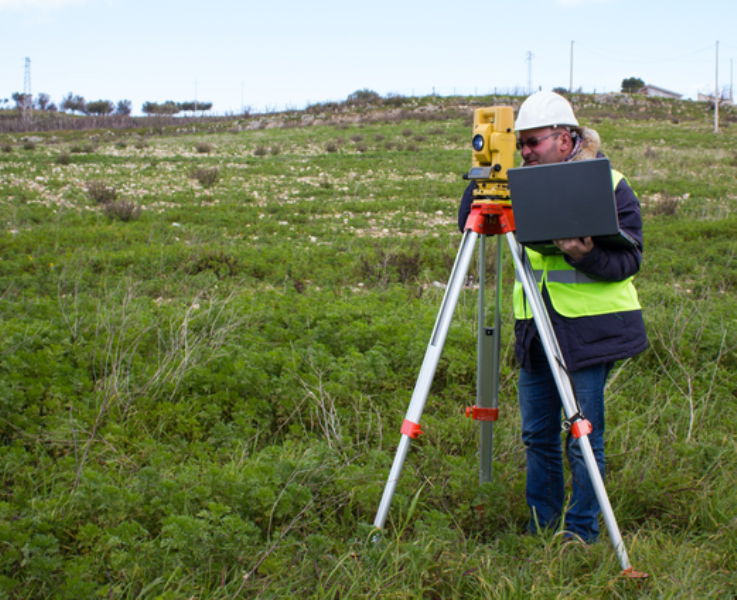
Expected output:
{"points": [[617, 264], [465, 208]]}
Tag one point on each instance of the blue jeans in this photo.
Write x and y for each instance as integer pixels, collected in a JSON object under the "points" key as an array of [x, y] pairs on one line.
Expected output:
{"points": [[541, 410]]}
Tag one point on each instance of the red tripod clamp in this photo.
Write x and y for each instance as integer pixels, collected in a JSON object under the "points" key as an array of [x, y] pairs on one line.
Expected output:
{"points": [[479, 413], [578, 425], [491, 217]]}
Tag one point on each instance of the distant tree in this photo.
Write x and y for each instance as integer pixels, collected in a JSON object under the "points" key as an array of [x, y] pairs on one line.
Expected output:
{"points": [[124, 108], [169, 108], [43, 101], [632, 85], [187, 106], [560, 90], [22, 100], [362, 97], [73, 103], [150, 108], [204, 106], [52, 108], [99, 108]]}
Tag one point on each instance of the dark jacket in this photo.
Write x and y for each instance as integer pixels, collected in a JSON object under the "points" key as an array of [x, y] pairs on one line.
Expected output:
{"points": [[587, 341]]}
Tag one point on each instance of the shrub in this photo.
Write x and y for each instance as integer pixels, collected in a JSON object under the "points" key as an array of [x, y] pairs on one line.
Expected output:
{"points": [[141, 144], [121, 144], [76, 149], [331, 147], [667, 207], [100, 192], [274, 150], [378, 137], [411, 147], [436, 131], [206, 176], [89, 148], [216, 261], [363, 97], [29, 145], [123, 210], [357, 138], [7, 148], [260, 150], [203, 147], [406, 132], [419, 138], [361, 147], [64, 158]]}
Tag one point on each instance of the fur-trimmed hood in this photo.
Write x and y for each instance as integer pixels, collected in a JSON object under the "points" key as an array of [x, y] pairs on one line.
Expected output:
{"points": [[590, 145]]}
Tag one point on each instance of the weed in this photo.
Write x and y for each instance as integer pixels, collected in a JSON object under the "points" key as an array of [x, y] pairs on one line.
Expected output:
{"points": [[378, 138], [436, 131], [203, 147], [120, 144], [7, 148], [29, 145], [260, 150], [406, 132], [101, 193], [141, 144], [207, 176], [419, 138], [361, 148], [651, 154], [331, 147], [357, 138], [411, 147], [122, 210], [64, 158], [275, 150]]}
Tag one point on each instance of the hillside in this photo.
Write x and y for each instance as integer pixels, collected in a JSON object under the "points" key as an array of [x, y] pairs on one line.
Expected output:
{"points": [[211, 332]]}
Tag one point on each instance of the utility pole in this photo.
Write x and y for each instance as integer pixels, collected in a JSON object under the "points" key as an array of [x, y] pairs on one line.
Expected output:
{"points": [[716, 93], [242, 97], [195, 97], [27, 99], [529, 58], [570, 84]]}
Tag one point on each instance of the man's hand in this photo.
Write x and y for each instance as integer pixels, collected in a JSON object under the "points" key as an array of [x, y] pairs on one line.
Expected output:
{"points": [[576, 248]]}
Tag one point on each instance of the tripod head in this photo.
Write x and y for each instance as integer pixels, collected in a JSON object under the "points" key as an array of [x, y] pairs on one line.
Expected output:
{"points": [[494, 145]]}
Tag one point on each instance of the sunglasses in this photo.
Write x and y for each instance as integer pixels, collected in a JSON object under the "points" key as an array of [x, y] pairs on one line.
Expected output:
{"points": [[533, 141]]}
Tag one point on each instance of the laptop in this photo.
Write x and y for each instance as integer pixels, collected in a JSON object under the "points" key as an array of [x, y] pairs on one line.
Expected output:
{"points": [[565, 200]]}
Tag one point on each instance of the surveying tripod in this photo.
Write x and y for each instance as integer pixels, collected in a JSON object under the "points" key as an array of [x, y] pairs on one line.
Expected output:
{"points": [[496, 218]]}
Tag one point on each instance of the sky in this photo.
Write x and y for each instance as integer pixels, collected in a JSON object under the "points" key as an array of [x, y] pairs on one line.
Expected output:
{"points": [[272, 56]]}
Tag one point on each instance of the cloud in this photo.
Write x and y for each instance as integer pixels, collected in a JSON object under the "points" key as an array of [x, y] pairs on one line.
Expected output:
{"points": [[37, 4]]}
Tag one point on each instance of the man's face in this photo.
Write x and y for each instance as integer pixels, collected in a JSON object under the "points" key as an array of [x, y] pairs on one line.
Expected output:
{"points": [[553, 145]]}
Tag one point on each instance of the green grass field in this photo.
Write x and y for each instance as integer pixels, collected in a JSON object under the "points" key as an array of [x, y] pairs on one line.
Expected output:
{"points": [[202, 399]]}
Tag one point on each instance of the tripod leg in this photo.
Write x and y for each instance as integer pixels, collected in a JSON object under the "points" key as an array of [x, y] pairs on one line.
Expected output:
{"points": [[563, 383], [411, 427]]}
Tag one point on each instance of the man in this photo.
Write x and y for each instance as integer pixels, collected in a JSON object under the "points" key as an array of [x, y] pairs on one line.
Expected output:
{"points": [[597, 321]]}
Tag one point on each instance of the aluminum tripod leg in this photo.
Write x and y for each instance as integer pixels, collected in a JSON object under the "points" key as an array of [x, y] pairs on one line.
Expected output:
{"points": [[557, 366], [427, 371]]}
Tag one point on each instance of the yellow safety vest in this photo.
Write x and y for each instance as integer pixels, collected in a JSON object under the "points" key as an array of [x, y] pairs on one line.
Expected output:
{"points": [[572, 293]]}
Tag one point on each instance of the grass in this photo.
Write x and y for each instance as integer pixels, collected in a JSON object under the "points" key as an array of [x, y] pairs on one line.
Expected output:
{"points": [[205, 401]]}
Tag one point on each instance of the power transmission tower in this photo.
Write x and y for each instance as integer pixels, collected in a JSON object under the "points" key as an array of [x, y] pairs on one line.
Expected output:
{"points": [[529, 58], [27, 99]]}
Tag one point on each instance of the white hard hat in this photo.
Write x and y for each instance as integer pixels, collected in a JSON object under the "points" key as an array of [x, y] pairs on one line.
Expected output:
{"points": [[545, 109]]}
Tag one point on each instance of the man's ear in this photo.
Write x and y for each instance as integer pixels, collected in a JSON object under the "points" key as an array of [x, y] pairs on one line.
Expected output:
{"points": [[566, 141]]}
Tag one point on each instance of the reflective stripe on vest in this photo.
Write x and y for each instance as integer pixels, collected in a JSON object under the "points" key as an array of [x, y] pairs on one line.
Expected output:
{"points": [[573, 293]]}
